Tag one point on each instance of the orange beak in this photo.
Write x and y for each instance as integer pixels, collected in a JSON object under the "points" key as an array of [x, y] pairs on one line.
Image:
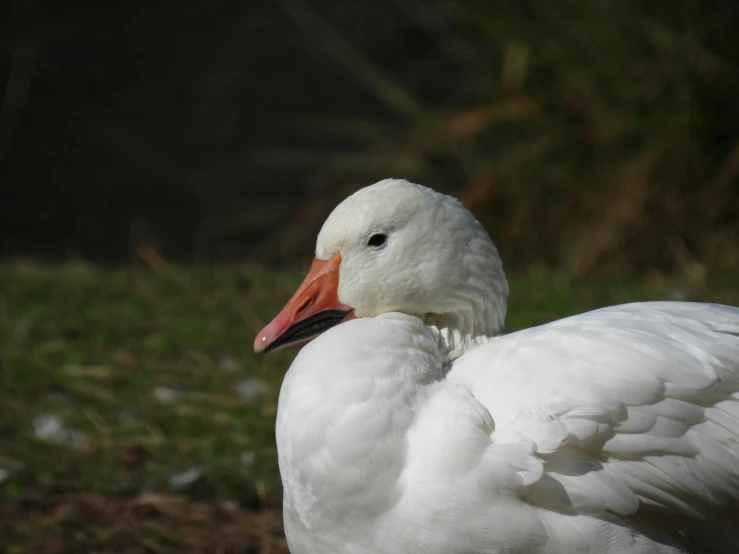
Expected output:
{"points": [[313, 309]]}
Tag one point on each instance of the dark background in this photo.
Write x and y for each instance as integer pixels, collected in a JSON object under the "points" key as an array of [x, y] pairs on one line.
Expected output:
{"points": [[587, 136]]}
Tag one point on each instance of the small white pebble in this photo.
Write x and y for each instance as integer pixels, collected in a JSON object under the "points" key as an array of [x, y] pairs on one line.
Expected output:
{"points": [[247, 458], [227, 363], [165, 395], [49, 427], [252, 389], [184, 478], [230, 505]]}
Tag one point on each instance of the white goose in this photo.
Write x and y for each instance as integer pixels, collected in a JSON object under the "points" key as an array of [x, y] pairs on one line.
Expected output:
{"points": [[417, 428]]}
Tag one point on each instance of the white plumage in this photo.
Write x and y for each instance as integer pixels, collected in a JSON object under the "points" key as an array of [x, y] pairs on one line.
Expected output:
{"points": [[419, 429]]}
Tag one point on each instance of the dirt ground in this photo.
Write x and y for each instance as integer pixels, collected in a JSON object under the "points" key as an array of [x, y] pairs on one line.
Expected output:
{"points": [[149, 524]]}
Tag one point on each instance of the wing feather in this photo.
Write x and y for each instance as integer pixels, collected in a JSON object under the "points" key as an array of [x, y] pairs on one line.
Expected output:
{"points": [[631, 408]]}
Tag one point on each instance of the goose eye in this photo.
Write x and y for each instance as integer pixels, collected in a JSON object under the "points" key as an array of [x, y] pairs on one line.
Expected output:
{"points": [[377, 240]]}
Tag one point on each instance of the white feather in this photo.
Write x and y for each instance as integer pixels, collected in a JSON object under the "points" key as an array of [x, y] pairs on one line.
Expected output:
{"points": [[429, 433]]}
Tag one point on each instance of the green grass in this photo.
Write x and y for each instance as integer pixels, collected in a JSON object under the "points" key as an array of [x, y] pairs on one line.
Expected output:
{"points": [[142, 370]]}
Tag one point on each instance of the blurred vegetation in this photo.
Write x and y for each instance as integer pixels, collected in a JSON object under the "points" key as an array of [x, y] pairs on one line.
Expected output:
{"points": [[135, 417], [587, 136]]}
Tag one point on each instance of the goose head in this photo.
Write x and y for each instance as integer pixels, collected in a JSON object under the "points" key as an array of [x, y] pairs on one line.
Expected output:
{"points": [[396, 246]]}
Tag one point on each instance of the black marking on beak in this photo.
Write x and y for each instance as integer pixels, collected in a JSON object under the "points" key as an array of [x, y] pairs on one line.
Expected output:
{"points": [[308, 328]]}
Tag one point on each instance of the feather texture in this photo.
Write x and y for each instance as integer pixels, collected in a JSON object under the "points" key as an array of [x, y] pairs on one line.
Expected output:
{"points": [[418, 429]]}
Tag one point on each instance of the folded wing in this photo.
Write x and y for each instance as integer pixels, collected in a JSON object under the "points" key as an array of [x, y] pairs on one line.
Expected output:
{"points": [[633, 410]]}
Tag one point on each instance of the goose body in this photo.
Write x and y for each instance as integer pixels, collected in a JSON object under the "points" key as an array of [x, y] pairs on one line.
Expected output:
{"points": [[411, 425]]}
